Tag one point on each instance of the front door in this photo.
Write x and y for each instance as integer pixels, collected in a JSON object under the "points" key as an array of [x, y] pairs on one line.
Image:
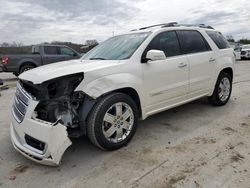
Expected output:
{"points": [[166, 81]]}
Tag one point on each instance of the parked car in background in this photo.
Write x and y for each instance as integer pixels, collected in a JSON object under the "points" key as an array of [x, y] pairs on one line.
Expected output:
{"points": [[245, 52], [126, 78], [41, 55]]}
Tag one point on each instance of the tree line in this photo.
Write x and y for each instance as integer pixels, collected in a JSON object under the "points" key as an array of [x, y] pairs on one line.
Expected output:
{"points": [[230, 38], [20, 48]]}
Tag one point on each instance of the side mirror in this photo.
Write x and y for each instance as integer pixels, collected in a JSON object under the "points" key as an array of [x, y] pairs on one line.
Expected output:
{"points": [[154, 55]]}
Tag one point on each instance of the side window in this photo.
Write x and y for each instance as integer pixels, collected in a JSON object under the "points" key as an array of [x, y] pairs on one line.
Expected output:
{"points": [[167, 42], [192, 42], [51, 50], [218, 39], [35, 50], [67, 51]]}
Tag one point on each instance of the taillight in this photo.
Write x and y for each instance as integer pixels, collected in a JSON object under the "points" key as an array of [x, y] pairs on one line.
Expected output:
{"points": [[5, 60]]}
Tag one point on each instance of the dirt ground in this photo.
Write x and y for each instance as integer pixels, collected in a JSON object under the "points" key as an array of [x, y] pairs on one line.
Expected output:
{"points": [[195, 145]]}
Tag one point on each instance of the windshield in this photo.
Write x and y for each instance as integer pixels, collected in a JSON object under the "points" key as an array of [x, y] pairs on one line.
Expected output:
{"points": [[117, 48]]}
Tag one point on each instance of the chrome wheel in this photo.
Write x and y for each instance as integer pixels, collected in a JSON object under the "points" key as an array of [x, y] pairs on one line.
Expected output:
{"points": [[224, 89], [28, 68], [118, 122]]}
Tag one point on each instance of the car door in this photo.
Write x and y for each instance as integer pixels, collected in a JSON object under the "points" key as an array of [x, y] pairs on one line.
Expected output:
{"points": [[166, 81], [201, 62], [52, 55]]}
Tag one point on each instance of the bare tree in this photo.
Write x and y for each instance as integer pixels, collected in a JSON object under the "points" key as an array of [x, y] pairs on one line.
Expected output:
{"points": [[230, 38], [91, 43], [5, 44]]}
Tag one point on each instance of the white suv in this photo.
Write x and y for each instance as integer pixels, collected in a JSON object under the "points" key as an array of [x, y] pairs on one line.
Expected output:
{"points": [[245, 52], [126, 78]]}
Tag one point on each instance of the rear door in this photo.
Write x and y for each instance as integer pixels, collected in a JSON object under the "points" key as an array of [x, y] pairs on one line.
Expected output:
{"points": [[166, 81], [201, 62]]}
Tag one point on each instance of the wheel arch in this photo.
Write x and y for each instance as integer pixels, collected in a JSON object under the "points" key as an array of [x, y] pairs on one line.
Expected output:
{"points": [[133, 94], [228, 70], [129, 84], [26, 63]]}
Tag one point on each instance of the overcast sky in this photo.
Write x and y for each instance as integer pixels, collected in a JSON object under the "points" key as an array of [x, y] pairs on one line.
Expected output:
{"points": [[36, 21]]}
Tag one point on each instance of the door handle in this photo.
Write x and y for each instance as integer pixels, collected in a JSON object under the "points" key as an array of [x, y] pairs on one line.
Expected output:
{"points": [[182, 65], [211, 60]]}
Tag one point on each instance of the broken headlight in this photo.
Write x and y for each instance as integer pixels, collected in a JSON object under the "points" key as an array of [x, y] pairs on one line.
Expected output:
{"points": [[58, 102]]}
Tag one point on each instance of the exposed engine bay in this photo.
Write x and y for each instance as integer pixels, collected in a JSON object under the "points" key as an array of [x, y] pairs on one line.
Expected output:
{"points": [[59, 103]]}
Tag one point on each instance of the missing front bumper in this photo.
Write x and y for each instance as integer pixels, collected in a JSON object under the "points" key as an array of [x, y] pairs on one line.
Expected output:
{"points": [[55, 138]]}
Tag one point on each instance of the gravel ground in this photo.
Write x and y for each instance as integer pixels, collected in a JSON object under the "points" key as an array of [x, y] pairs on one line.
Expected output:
{"points": [[195, 145]]}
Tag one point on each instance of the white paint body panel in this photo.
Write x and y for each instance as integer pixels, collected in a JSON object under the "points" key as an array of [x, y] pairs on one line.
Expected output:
{"points": [[237, 55], [165, 83]]}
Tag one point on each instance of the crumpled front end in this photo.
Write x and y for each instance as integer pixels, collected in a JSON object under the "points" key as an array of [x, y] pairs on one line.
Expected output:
{"points": [[44, 117]]}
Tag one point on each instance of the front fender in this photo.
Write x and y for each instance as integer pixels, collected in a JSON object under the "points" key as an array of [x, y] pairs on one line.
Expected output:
{"points": [[96, 88]]}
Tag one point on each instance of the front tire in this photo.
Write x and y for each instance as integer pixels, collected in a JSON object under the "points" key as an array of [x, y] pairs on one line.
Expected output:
{"points": [[26, 68], [222, 90], [113, 121]]}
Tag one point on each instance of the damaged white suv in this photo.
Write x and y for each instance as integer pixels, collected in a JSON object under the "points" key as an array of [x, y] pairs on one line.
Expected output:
{"points": [[126, 78]]}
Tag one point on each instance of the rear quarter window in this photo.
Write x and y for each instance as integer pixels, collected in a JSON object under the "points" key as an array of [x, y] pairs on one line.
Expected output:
{"points": [[218, 39]]}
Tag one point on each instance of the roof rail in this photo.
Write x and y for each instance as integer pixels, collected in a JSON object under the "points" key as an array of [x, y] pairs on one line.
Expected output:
{"points": [[175, 24], [171, 24], [196, 25]]}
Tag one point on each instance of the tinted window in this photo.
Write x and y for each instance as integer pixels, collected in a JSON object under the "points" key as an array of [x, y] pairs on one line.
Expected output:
{"points": [[218, 39], [51, 50], [67, 51], [192, 42], [35, 50], [167, 42]]}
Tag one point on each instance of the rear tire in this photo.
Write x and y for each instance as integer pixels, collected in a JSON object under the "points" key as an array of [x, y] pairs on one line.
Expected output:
{"points": [[222, 90], [26, 68], [113, 121]]}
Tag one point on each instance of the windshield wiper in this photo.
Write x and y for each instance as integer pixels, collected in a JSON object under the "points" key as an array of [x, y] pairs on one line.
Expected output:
{"points": [[97, 58]]}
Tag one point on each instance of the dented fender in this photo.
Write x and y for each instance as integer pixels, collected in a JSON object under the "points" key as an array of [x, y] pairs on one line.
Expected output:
{"points": [[105, 84], [97, 87]]}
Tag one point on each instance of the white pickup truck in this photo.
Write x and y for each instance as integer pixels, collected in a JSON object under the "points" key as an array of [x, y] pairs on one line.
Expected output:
{"points": [[126, 78]]}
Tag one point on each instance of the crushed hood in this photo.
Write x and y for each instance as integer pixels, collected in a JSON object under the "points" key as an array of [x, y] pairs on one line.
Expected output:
{"points": [[55, 70]]}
